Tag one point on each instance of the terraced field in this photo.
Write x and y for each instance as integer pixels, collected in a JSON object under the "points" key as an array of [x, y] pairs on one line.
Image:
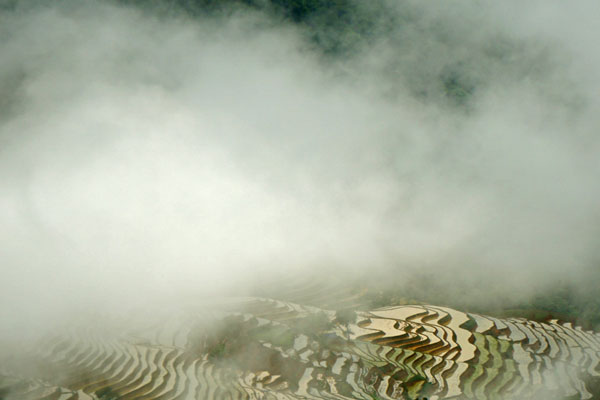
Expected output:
{"points": [[263, 348]]}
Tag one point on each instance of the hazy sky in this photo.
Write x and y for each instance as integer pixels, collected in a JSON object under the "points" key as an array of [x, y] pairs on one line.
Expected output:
{"points": [[145, 156]]}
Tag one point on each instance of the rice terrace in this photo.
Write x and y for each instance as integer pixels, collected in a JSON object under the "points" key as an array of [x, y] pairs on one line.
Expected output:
{"points": [[299, 199], [274, 349]]}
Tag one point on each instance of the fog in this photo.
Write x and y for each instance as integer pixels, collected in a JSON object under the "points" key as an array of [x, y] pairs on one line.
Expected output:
{"points": [[146, 156]]}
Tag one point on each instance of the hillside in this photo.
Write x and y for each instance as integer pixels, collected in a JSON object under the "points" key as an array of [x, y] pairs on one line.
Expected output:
{"points": [[262, 348]]}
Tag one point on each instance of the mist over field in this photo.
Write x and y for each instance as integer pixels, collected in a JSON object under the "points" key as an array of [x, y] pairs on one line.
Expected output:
{"points": [[155, 153]]}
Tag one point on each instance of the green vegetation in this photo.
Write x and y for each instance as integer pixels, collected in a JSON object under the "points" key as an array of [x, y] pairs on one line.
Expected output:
{"points": [[224, 340], [107, 393], [565, 302], [312, 324], [576, 302], [345, 317], [446, 73], [470, 325], [456, 88], [334, 26]]}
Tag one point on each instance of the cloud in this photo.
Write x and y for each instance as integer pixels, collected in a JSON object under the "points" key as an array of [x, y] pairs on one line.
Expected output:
{"points": [[145, 156]]}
